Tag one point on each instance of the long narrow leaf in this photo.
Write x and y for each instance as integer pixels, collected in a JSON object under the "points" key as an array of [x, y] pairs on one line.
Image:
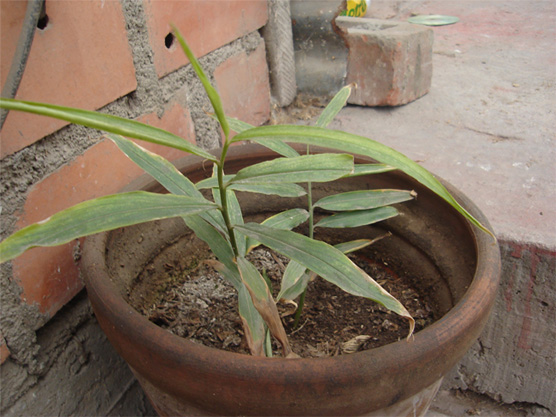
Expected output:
{"points": [[221, 248], [355, 245], [366, 169], [277, 146], [263, 302], [334, 107], [107, 123], [282, 190], [253, 324], [212, 182], [158, 167], [295, 278], [317, 168], [358, 218], [347, 142], [294, 281], [99, 215], [210, 90], [166, 174], [326, 261], [363, 199], [286, 220], [237, 125]]}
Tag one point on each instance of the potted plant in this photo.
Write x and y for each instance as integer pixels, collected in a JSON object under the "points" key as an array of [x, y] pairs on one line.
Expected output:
{"points": [[440, 234]]}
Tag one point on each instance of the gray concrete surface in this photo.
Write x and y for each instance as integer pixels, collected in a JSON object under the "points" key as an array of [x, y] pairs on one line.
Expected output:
{"points": [[489, 120]]}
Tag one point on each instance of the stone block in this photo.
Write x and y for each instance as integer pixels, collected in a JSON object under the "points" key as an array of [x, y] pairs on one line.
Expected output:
{"points": [[391, 62], [206, 25], [80, 59], [49, 277]]}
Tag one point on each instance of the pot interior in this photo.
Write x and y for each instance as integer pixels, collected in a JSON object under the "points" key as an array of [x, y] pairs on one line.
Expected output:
{"points": [[429, 241]]}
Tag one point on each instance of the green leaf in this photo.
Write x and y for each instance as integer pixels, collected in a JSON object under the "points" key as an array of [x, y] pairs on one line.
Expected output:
{"points": [[286, 220], [354, 245], [367, 169], [253, 324], [282, 190], [326, 261], [107, 123], [212, 182], [358, 218], [221, 248], [347, 142], [166, 174], [334, 107], [209, 89], [314, 168], [363, 199], [274, 145], [294, 281], [278, 146], [263, 302], [99, 215], [237, 125], [158, 167]]}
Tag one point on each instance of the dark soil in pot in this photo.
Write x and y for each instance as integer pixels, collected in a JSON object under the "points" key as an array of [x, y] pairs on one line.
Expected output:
{"points": [[189, 298]]}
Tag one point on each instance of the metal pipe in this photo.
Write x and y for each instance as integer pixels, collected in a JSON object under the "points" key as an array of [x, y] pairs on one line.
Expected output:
{"points": [[32, 15]]}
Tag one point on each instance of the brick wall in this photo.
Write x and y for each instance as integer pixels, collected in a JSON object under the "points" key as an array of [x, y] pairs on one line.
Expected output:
{"points": [[119, 57]]}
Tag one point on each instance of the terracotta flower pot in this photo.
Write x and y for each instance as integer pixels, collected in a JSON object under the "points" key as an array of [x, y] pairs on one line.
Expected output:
{"points": [[460, 264]]}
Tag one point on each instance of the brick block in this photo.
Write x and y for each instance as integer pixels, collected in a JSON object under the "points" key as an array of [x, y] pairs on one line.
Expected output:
{"points": [[206, 25], [80, 59], [391, 62], [243, 84], [49, 276]]}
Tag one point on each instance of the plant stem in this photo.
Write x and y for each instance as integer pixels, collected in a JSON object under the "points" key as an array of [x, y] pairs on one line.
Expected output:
{"points": [[224, 198], [311, 209], [311, 234], [299, 309]]}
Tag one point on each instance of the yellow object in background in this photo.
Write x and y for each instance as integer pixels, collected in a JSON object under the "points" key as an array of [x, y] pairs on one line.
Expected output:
{"points": [[355, 8]]}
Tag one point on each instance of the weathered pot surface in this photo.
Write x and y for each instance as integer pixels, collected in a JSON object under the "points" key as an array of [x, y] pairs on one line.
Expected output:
{"points": [[182, 377]]}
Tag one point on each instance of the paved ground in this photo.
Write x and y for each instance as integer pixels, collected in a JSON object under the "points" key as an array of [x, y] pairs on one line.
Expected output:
{"points": [[488, 124]]}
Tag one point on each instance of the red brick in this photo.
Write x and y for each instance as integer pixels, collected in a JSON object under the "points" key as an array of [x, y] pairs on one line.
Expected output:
{"points": [[4, 351], [206, 25], [243, 84], [81, 59], [49, 276], [391, 62]]}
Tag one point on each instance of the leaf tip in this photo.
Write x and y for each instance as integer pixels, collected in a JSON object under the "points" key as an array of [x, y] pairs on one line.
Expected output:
{"points": [[411, 336]]}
